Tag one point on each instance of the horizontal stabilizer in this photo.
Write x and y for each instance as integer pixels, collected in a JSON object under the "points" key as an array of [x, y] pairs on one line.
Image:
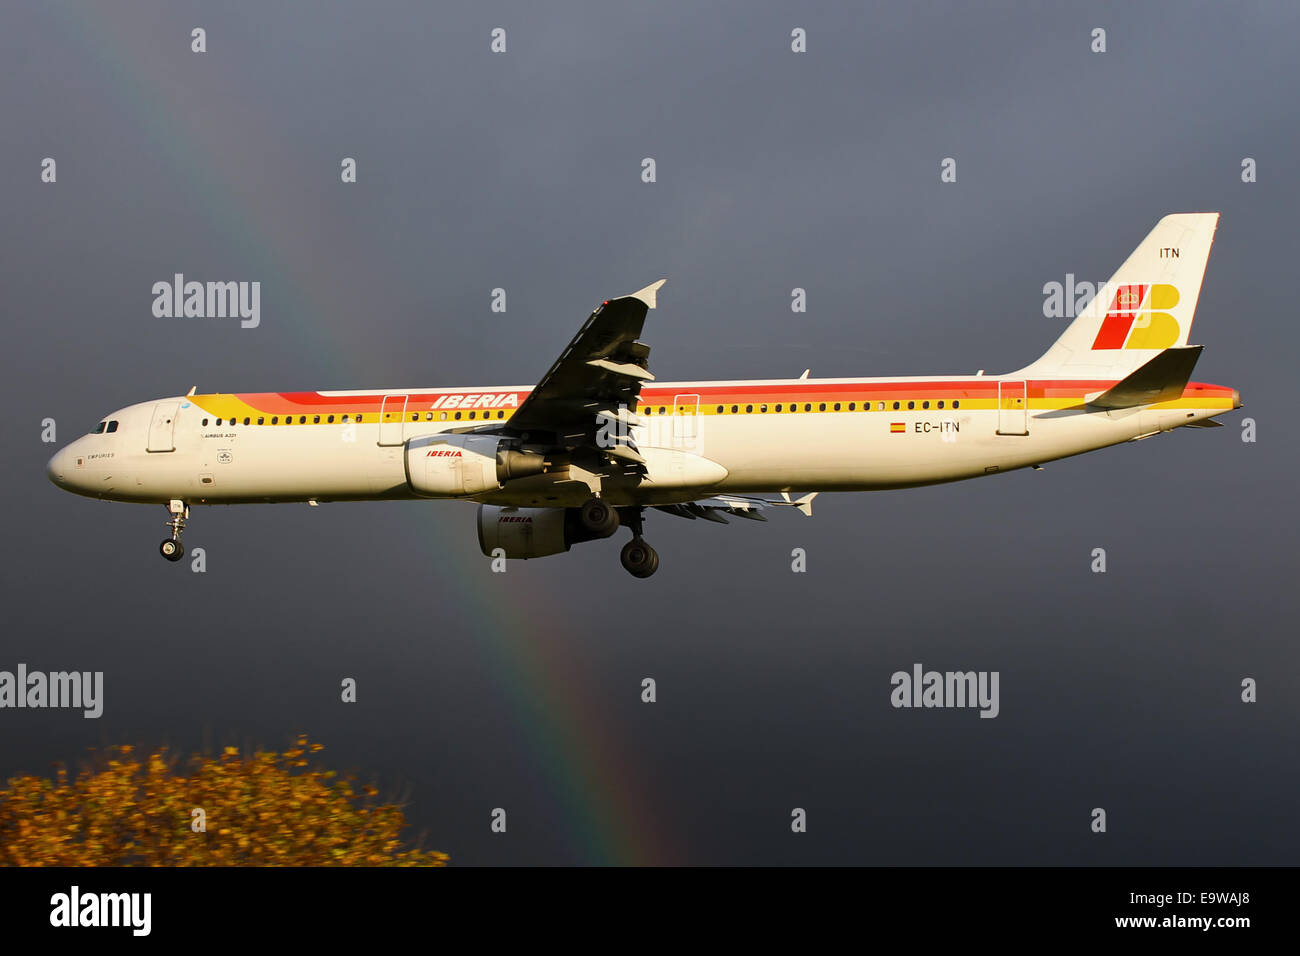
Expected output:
{"points": [[1160, 380]]}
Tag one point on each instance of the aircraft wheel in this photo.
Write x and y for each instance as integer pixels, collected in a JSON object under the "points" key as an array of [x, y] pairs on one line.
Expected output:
{"points": [[598, 518], [171, 549], [639, 558]]}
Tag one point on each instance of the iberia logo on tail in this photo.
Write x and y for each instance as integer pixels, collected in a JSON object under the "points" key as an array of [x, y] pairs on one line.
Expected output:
{"points": [[1136, 319]]}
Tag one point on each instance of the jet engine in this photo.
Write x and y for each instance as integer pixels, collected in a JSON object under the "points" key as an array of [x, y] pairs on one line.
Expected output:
{"points": [[453, 466], [523, 532], [534, 532]]}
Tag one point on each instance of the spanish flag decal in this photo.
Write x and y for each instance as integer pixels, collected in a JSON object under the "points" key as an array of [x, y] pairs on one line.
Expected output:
{"points": [[897, 428]]}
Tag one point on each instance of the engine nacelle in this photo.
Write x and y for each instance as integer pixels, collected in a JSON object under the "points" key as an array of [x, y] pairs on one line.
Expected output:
{"points": [[454, 466], [525, 532]]}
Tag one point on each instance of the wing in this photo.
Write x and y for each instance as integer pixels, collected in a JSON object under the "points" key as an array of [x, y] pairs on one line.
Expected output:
{"points": [[742, 506], [597, 377]]}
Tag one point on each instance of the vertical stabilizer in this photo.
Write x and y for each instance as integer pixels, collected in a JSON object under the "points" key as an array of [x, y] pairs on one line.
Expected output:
{"points": [[1146, 306]]}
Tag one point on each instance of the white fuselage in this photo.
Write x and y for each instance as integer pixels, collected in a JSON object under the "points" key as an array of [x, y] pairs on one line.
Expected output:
{"points": [[698, 438]]}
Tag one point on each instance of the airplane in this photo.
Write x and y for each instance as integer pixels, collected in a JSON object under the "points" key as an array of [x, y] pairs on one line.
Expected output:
{"points": [[598, 440]]}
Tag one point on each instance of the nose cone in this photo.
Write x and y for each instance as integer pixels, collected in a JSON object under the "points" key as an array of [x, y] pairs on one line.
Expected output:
{"points": [[57, 468]]}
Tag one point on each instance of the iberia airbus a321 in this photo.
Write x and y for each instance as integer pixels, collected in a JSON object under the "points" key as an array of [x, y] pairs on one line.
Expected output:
{"points": [[598, 440]]}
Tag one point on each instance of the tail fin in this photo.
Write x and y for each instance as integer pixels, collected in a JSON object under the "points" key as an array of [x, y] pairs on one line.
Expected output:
{"points": [[1146, 306]]}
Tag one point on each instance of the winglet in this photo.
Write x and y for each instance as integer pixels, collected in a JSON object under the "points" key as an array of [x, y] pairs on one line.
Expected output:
{"points": [[649, 294]]}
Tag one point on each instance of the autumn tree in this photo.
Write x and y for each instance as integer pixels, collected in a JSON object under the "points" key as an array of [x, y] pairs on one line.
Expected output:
{"points": [[268, 809]]}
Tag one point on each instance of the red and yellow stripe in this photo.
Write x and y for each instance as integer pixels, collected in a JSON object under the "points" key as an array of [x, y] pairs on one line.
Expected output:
{"points": [[712, 399]]}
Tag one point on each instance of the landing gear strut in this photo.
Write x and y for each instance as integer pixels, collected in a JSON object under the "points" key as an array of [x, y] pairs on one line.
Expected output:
{"points": [[171, 548], [638, 558]]}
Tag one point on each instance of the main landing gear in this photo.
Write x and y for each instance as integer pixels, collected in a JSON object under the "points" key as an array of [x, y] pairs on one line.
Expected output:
{"points": [[599, 520], [639, 559], [171, 548]]}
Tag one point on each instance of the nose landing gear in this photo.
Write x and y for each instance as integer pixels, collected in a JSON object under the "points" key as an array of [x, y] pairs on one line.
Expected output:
{"points": [[171, 548]]}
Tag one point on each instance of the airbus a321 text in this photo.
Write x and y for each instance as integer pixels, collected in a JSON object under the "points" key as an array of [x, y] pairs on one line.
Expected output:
{"points": [[598, 440]]}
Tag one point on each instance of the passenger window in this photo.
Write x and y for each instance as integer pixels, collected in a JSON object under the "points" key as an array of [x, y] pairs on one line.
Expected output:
{"points": [[415, 416], [911, 404], [778, 408], [428, 417], [501, 414], [925, 404], [275, 420], [853, 406], [331, 419], [941, 403], [358, 418], [472, 414], [458, 416], [762, 408], [837, 406], [112, 427], [315, 419], [807, 406], [246, 421], [302, 419], [261, 420], [821, 407], [719, 409], [896, 406], [749, 409], [956, 404], [205, 423], [735, 409], [442, 416], [344, 419], [880, 407]]}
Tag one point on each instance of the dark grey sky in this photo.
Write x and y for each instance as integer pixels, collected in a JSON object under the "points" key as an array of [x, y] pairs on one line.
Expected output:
{"points": [[775, 170]]}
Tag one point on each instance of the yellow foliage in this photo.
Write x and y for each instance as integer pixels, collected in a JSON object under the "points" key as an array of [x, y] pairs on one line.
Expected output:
{"points": [[270, 809]]}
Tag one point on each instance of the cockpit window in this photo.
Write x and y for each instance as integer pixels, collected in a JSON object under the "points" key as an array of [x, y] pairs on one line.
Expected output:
{"points": [[112, 427], [98, 429]]}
